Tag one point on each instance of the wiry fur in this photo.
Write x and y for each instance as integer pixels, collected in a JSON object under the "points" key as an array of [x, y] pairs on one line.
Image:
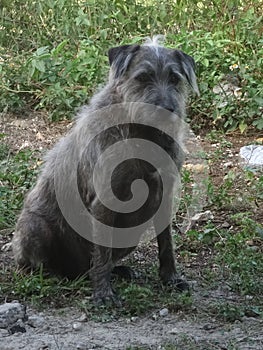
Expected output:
{"points": [[151, 74]]}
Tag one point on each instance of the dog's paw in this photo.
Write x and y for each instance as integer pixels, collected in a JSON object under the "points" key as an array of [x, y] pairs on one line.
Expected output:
{"points": [[106, 299], [177, 283]]}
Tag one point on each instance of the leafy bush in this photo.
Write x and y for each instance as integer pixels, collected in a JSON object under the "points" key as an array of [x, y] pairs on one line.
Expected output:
{"points": [[53, 53]]}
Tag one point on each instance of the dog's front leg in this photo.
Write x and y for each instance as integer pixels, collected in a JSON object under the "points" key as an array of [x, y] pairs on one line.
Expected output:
{"points": [[100, 274], [101, 264], [168, 273]]}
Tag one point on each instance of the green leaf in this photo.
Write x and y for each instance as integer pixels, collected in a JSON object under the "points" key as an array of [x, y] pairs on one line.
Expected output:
{"points": [[39, 65], [59, 48], [258, 123], [258, 100], [206, 62], [242, 127], [41, 50]]}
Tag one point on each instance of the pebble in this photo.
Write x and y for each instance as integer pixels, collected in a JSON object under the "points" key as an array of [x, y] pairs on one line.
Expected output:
{"points": [[228, 164], [164, 312], [209, 327], [134, 318], [83, 318], [77, 326], [36, 321], [173, 331]]}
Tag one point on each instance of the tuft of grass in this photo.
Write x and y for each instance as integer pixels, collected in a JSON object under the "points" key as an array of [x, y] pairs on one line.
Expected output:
{"points": [[41, 289], [137, 299]]}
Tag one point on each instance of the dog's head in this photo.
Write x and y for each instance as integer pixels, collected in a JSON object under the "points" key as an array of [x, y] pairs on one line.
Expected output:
{"points": [[153, 74]]}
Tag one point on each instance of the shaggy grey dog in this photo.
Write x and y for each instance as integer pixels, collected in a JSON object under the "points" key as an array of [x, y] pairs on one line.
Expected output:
{"points": [[150, 83]]}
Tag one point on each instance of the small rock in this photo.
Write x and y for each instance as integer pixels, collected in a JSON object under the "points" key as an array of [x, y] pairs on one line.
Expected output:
{"points": [[36, 321], [134, 318], [39, 136], [83, 318], [164, 312], [209, 327], [154, 317], [228, 164], [173, 331], [10, 313], [225, 225], [77, 326], [25, 144]]}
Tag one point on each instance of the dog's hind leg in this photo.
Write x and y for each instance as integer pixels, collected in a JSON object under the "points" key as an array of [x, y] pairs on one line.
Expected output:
{"points": [[37, 242], [32, 241]]}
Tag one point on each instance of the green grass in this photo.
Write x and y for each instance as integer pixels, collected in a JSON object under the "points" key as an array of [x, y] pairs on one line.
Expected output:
{"points": [[240, 257], [53, 53], [42, 290], [235, 253]]}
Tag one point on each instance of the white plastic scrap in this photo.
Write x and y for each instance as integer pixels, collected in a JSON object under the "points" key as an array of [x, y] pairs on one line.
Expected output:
{"points": [[252, 156]]}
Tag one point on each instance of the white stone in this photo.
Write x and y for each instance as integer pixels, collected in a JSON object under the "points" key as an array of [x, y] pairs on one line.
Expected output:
{"points": [[164, 312], [77, 326]]}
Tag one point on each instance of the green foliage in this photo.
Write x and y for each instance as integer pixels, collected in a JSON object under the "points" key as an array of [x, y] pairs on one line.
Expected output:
{"points": [[53, 53], [138, 299], [240, 255], [231, 313], [17, 174]]}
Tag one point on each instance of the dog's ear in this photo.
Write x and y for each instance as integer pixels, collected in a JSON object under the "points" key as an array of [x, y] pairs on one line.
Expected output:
{"points": [[187, 64], [120, 58]]}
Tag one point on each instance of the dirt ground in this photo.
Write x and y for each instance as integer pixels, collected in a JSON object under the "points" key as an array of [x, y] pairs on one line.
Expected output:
{"points": [[63, 329], [185, 332]]}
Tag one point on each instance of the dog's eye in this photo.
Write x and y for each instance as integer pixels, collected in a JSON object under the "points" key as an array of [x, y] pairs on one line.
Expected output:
{"points": [[142, 77], [174, 78]]}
